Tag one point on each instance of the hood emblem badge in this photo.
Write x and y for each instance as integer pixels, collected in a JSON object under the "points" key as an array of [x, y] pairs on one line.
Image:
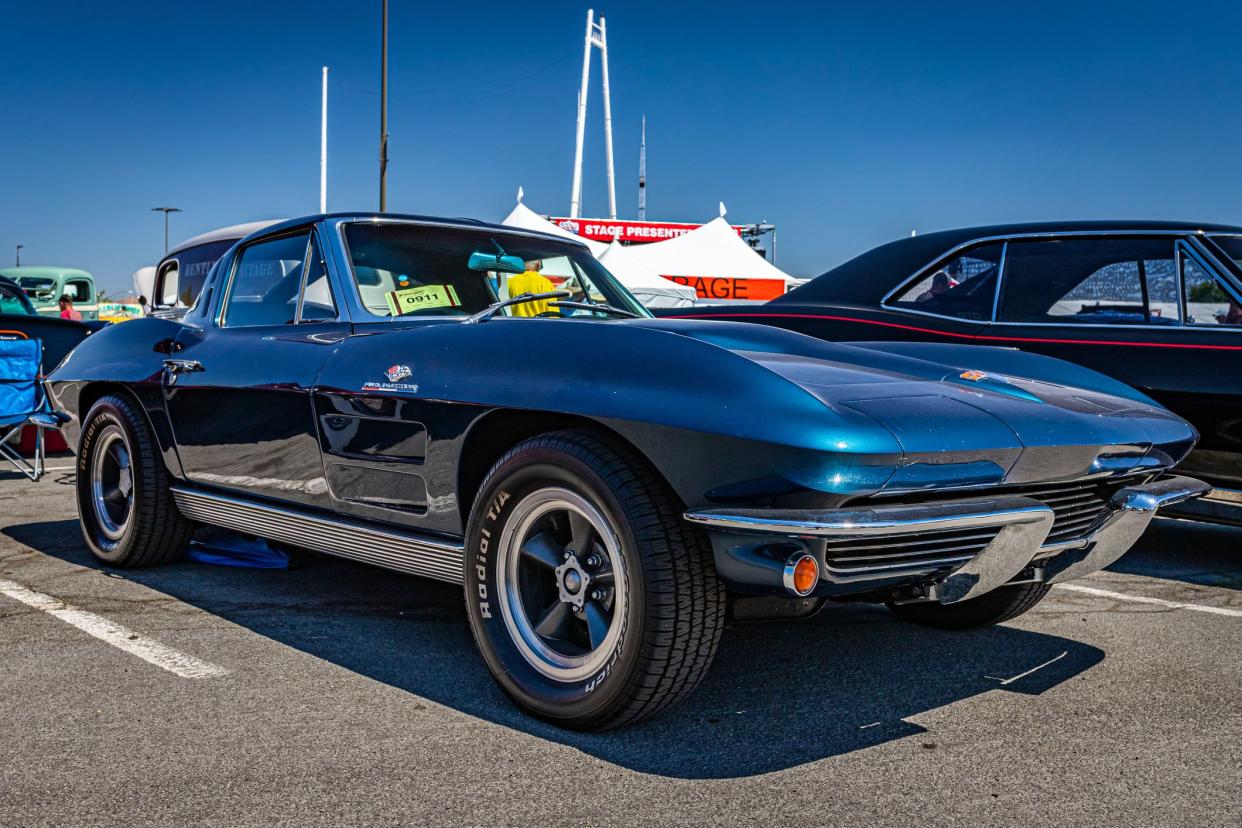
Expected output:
{"points": [[396, 373], [973, 376]]}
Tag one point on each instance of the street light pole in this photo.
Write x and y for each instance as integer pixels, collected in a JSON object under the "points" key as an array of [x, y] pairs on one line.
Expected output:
{"points": [[165, 211], [383, 154], [18, 256]]}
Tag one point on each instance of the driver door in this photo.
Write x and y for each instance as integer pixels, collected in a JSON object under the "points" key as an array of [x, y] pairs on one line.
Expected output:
{"points": [[238, 391]]}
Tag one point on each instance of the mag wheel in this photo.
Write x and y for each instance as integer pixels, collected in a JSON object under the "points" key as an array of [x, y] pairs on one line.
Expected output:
{"points": [[564, 584], [111, 482], [594, 605], [125, 508]]}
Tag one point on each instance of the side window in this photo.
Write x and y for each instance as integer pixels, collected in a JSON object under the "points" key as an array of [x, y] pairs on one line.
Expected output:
{"points": [[1090, 281], [195, 263], [79, 290], [166, 285], [1207, 302], [963, 287], [317, 302], [266, 280]]}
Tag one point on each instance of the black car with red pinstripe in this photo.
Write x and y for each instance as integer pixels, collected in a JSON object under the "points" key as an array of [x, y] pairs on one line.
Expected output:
{"points": [[1157, 305]]}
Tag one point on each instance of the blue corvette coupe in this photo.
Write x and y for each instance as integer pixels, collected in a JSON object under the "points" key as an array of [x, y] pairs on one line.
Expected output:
{"points": [[489, 407]]}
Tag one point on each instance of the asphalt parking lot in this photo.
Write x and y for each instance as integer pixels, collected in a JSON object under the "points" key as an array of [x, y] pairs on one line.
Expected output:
{"points": [[335, 694]]}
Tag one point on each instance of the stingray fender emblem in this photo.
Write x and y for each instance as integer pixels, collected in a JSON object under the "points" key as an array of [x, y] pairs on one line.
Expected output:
{"points": [[973, 376], [394, 375]]}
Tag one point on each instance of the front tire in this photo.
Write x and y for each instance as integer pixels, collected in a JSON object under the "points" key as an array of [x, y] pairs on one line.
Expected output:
{"points": [[125, 506], [1001, 604], [593, 603]]}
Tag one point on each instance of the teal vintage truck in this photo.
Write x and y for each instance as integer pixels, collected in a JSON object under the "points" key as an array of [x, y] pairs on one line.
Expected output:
{"points": [[45, 285]]}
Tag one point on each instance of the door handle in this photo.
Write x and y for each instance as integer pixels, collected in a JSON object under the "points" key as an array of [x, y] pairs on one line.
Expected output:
{"points": [[182, 366], [174, 368]]}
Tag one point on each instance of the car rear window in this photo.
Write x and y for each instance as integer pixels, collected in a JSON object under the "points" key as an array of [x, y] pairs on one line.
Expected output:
{"points": [[963, 286]]}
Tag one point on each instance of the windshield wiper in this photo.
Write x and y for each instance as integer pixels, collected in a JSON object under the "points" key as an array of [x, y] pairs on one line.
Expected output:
{"points": [[521, 299], [590, 306]]}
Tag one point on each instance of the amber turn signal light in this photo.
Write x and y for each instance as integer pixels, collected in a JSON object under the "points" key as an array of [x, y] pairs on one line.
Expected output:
{"points": [[801, 575]]}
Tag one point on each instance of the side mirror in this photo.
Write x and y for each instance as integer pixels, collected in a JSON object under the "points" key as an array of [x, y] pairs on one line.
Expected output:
{"points": [[495, 261]]}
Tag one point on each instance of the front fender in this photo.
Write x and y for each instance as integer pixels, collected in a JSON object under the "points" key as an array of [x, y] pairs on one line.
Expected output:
{"points": [[720, 427]]}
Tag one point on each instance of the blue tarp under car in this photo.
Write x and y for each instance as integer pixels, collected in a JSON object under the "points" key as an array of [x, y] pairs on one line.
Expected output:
{"points": [[223, 548]]}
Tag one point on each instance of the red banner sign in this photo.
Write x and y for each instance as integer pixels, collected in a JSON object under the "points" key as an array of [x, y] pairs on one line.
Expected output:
{"points": [[629, 232], [714, 287]]}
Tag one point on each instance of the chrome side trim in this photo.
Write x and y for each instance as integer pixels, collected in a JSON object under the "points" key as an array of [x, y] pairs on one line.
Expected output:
{"points": [[1133, 508], [333, 536]]}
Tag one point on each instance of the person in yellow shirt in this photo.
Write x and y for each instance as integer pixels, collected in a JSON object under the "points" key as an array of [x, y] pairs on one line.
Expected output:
{"points": [[530, 281]]}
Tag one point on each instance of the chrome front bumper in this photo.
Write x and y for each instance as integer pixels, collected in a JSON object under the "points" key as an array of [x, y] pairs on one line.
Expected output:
{"points": [[743, 538]]}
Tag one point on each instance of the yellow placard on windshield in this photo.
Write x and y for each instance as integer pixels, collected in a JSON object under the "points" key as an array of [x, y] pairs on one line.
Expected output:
{"points": [[410, 300]]}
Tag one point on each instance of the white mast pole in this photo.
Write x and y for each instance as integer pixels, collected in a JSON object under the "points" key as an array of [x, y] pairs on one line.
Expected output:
{"points": [[612, 189], [323, 147], [575, 199], [642, 174]]}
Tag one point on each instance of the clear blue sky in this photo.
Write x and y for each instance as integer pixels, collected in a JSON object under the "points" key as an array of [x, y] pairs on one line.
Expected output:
{"points": [[847, 124]]}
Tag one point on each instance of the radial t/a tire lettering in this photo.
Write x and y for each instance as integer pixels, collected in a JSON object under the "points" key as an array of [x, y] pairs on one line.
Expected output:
{"points": [[592, 602]]}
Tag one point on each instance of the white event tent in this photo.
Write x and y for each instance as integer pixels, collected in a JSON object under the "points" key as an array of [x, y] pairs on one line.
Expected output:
{"points": [[645, 283], [714, 259], [710, 263]]}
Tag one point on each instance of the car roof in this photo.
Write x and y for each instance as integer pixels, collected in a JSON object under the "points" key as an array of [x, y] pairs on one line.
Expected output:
{"points": [[868, 277], [43, 271], [231, 233], [441, 221]]}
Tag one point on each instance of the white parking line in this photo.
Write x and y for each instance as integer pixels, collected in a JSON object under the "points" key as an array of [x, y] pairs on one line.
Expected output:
{"points": [[1143, 599], [110, 632]]}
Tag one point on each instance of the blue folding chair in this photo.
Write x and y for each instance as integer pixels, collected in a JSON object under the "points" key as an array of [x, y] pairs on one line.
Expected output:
{"points": [[23, 402]]}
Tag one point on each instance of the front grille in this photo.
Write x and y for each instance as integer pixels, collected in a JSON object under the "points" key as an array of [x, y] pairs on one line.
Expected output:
{"points": [[900, 551], [1076, 506]]}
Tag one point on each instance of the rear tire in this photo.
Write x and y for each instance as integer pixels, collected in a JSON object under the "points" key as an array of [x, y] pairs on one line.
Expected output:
{"points": [[125, 506], [593, 603], [999, 605]]}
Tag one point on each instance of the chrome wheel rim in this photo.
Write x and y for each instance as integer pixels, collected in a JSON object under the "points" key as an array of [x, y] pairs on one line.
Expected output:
{"points": [[563, 583], [112, 482]]}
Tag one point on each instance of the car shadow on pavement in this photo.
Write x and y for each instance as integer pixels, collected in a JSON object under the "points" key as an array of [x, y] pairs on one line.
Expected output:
{"points": [[1187, 551], [779, 694]]}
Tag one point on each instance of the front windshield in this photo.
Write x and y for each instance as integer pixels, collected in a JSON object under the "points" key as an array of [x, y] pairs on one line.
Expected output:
{"points": [[414, 270], [38, 286]]}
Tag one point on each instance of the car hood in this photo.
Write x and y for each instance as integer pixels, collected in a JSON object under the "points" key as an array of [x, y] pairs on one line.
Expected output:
{"points": [[837, 419], [961, 425]]}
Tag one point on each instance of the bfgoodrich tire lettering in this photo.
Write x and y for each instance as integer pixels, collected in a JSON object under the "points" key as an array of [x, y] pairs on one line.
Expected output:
{"points": [[611, 610], [125, 507]]}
